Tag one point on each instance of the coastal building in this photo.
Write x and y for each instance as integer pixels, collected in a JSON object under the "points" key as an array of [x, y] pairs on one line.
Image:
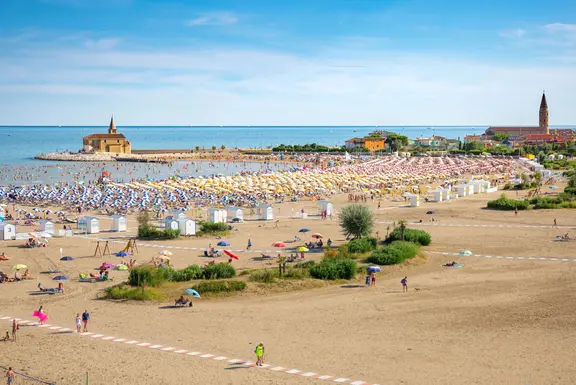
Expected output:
{"points": [[110, 142], [521, 133], [370, 143], [432, 142]]}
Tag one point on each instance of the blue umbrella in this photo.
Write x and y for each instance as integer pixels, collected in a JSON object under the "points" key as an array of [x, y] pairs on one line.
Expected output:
{"points": [[60, 278], [66, 259], [303, 230], [192, 292], [122, 254], [374, 269], [223, 243]]}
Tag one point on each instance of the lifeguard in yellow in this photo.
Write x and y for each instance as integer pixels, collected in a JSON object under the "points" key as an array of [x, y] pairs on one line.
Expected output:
{"points": [[259, 354]]}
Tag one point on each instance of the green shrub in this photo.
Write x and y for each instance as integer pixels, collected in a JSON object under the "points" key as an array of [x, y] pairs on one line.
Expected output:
{"points": [[212, 228], [171, 234], [305, 264], [264, 276], [332, 269], [420, 237], [219, 286], [362, 245], [146, 276], [187, 274], [394, 253], [505, 203], [127, 292], [219, 271], [570, 190], [296, 272]]}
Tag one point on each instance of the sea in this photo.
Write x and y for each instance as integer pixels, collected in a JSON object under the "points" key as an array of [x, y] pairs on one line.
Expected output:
{"points": [[20, 144]]}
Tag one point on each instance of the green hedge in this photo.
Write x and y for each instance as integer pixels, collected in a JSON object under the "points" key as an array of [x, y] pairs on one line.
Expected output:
{"points": [[149, 232], [332, 269], [150, 276], [505, 203], [420, 237], [219, 286], [394, 253], [362, 245], [570, 190]]}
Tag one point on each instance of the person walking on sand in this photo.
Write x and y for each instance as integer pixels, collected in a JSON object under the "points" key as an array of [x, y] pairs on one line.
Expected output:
{"points": [[555, 224], [15, 328], [259, 354], [85, 319], [373, 279], [404, 283], [10, 376], [516, 211], [249, 244], [78, 323]]}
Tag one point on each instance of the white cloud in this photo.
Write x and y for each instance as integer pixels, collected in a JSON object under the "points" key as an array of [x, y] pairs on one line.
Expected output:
{"points": [[560, 27], [514, 33], [101, 44], [213, 18]]}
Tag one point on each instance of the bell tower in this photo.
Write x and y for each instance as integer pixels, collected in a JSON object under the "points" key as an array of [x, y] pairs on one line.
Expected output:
{"points": [[544, 115], [112, 128]]}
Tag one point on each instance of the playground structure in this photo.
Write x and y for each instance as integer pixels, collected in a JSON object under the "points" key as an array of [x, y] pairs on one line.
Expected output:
{"points": [[131, 246], [102, 250]]}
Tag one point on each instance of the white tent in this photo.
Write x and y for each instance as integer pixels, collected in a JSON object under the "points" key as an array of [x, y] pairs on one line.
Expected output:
{"points": [[7, 231], [235, 212], [187, 226], [170, 224], [326, 206], [265, 212], [47, 226], [118, 223]]}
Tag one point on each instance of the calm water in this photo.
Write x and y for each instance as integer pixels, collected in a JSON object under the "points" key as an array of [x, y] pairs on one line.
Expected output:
{"points": [[21, 144]]}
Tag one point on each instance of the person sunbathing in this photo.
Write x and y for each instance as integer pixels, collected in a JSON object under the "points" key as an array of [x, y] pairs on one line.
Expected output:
{"points": [[41, 288], [3, 257], [27, 275]]}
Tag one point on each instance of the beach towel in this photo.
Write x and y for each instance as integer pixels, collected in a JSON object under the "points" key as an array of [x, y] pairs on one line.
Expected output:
{"points": [[456, 265], [41, 316]]}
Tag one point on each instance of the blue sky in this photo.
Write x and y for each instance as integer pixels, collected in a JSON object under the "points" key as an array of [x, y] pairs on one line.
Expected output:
{"points": [[297, 62]]}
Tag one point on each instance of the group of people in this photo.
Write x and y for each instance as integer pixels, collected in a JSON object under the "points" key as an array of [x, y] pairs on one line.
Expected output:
{"points": [[4, 278]]}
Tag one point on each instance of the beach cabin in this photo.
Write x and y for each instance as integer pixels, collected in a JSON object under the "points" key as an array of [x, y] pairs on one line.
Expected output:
{"points": [[414, 199], [46, 226], [217, 215], [265, 212], [170, 224], [464, 190], [445, 194], [91, 225], [437, 195], [7, 231], [187, 226], [177, 214], [118, 223], [326, 206], [234, 212]]}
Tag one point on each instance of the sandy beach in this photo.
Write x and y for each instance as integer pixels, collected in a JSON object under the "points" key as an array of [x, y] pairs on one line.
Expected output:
{"points": [[493, 321]]}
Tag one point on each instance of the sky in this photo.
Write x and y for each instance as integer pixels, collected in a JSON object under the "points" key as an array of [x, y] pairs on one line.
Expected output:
{"points": [[286, 62]]}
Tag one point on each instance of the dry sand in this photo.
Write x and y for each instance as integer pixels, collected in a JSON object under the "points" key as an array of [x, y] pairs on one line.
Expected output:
{"points": [[489, 322]]}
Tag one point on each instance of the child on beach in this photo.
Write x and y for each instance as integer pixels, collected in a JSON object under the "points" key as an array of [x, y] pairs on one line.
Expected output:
{"points": [[78, 323], [259, 354], [404, 283]]}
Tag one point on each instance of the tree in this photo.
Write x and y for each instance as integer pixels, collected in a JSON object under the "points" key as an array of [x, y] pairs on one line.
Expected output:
{"points": [[396, 141], [223, 147], [356, 220], [402, 224], [197, 148], [213, 148], [500, 137]]}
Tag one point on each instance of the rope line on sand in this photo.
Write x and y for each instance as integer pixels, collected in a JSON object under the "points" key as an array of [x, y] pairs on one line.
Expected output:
{"points": [[505, 257], [491, 226], [198, 354]]}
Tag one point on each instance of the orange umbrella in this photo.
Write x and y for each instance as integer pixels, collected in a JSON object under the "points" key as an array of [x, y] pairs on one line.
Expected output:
{"points": [[231, 255]]}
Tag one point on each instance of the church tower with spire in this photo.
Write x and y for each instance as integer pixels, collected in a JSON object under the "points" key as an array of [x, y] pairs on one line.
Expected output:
{"points": [[112, 128], [544, 115]]}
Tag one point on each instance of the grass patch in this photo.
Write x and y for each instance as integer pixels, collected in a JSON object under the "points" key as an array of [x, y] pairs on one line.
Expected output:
{"points": [[206, 287], [133, 293], [505, 203], [420, 237], [334, 268]]}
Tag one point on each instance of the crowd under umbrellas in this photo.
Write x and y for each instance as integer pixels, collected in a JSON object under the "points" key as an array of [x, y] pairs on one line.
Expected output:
{"points": [[251, 190]]}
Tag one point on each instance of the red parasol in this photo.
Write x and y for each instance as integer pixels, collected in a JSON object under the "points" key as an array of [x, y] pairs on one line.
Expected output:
{"points": [[231, 255], [279, 244], [316, 235]]}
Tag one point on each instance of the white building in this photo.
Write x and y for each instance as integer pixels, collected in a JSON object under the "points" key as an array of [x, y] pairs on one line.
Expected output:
{"points": [[118, 223], [7, 231]]}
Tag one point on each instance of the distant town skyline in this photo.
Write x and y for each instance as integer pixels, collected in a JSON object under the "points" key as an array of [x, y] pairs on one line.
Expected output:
{"points": [[260, 63]]}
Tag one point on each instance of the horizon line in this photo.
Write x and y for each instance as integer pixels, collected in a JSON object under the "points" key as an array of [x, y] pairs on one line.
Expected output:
{"points": [[272, 126]]}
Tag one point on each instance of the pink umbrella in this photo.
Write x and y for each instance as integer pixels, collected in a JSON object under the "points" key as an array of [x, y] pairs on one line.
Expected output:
{"points": [[279, 244]]}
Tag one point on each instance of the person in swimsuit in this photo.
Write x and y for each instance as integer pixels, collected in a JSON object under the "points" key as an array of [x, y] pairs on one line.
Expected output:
{"points": [[259, 354], [85, 319], [15, 328], [78, 323], [404, 283], [373, 279], [10, 376]]}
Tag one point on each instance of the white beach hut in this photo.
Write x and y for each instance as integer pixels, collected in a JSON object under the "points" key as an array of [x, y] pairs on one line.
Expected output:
{"points": [[187, 226], [7, 231], [234, 212], [92, 225], [445, 194], [170, 224], [462, 190], [414, 199], [118, 223], [218, 215], [265, 212], [437, 194], [46, 226], [177, 214], [326, 206]]}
